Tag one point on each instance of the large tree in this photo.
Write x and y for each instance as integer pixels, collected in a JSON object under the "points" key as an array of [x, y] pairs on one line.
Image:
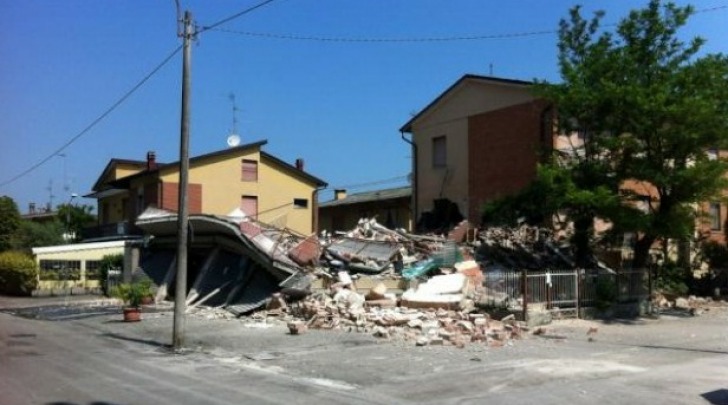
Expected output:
{"points": [[9, 222], [75, 218], [652, 107]]}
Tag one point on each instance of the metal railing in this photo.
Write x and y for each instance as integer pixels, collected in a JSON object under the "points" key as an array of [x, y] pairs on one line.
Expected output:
{"points": [[565, 289]]}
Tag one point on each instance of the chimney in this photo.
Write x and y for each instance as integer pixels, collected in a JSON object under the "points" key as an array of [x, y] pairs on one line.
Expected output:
{"points": [[299, 164], [31, 208], [339, 194], [151, 160]]}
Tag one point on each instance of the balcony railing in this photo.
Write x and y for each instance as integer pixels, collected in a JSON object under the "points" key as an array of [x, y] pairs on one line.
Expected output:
{"points": [[109, 230]]}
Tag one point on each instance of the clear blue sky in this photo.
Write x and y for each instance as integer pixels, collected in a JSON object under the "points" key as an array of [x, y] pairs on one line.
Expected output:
{"points": [[337, 105]]}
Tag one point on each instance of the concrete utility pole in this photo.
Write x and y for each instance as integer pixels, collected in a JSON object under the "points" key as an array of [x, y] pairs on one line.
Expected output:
{"points": [[180, 292]]}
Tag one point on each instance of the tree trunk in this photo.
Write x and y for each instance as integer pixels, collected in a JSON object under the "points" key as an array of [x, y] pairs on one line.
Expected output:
{"points": [[582, 241], [642, 251]]}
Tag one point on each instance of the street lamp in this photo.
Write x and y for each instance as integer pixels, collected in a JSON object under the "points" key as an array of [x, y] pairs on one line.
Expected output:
{"points": [[68, 216]]}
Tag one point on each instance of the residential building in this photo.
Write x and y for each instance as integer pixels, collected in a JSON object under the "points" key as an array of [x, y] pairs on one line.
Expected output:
{"points": [[478, 140], [73, 268], [244, 177], [390, 207]]}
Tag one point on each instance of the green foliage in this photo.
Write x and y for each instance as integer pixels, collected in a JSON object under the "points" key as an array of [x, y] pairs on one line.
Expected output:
{"points": [[108, 262], [75, 218], [673, 279], [18, 273], [9, 222], [133, 293], [32, 234], [606, 293], [649, 108], [716, 254]]}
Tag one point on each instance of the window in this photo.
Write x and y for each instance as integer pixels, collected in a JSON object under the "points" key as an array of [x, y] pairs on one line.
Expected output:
{"points": [[714, 212], [93, 269], [60, 269], [300, 203], [249, 205], [439, 151], [249, 170]]}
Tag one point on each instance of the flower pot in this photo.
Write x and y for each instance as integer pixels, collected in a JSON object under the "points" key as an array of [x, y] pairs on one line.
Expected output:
{"points": [[132, 314]]}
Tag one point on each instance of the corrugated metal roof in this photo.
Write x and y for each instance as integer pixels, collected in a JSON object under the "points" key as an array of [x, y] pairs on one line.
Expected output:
{"points": [[368, 196]]}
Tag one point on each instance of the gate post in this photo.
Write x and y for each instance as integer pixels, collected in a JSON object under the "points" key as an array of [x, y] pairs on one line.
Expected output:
{"points": [[524, 292]]}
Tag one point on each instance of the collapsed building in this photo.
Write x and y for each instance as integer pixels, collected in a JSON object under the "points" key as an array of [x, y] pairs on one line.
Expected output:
{"points": [[370, 278]]}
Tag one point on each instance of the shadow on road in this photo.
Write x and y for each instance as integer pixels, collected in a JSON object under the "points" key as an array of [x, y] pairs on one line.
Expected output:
{"points": [[148, 342], [717, 397], [90, 403]]}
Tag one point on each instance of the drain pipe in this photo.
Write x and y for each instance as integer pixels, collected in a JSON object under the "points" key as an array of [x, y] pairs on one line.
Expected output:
{"points": [[414, 179]]}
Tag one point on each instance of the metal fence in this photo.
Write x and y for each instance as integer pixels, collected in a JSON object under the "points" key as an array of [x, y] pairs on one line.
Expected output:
{"points": [[113, 278], [565, 289]]}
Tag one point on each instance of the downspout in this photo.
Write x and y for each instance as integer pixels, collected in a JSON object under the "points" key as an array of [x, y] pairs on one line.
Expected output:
{"points": [[414, 179], [314, 205]]}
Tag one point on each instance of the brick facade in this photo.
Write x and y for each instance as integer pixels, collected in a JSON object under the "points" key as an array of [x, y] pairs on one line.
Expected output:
{"points": [[503, 151], [170, 197]]}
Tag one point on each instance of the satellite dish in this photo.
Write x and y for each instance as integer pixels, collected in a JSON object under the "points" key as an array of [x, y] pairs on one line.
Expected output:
{"points": [[233, 140]]}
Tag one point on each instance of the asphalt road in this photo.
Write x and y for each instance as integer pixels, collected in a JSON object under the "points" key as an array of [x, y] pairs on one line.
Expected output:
{"points": [[85, 355]]}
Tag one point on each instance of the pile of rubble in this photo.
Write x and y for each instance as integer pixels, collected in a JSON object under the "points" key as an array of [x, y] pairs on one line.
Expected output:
{"points": [[448, 318], [691, 304]]}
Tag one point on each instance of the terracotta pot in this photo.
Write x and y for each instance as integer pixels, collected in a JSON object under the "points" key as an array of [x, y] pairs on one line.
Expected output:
{"points": [[132, 314]]}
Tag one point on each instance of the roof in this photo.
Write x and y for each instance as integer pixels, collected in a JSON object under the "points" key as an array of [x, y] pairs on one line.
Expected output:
{"points": [[123, 182], [293, 170], [112, 163], [407, 127], [369, 196]]}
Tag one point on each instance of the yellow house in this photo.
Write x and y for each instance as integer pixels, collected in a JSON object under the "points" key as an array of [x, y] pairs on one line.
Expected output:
{"points": [[242, 177]]}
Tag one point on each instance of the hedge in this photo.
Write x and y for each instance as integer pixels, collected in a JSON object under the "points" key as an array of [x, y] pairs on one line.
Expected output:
{"points": [[18, 273]]}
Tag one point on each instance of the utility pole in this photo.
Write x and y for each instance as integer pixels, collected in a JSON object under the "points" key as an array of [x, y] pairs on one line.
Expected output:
{"points": [[180, 292]]}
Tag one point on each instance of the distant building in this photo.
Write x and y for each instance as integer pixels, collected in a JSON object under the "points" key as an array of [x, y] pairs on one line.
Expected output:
{"points": [[391, 207]]}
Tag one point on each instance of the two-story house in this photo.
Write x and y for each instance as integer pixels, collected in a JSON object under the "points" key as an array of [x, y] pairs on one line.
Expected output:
{"points": [[478, 140], [244, 177]]}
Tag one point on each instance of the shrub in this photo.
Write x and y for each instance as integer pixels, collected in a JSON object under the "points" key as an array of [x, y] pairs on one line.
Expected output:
{"points": [[133, 293], [606, 293], [18, 273], [673, 279]]}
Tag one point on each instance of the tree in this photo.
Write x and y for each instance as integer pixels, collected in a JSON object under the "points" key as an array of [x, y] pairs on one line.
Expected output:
{"points": [[32, 234], [649, 109], [75, 218], [9, 222]]}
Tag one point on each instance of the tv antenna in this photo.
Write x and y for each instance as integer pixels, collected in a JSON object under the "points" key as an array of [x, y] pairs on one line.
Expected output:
{"points": [[51, 196], [233, 139]]}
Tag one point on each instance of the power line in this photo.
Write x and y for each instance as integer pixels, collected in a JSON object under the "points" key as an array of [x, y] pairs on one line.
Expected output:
{"points": [[391, 40], [234, 16], [96, 121], [477, 37], [368, 184]]}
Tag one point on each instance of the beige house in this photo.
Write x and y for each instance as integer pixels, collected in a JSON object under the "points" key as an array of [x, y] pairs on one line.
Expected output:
{"points": [[476, 141], [243, 177]]}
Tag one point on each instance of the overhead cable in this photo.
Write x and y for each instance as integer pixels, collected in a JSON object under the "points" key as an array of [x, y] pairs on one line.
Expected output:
{"points": [[234, 16], [96, 121], [477, 37]]}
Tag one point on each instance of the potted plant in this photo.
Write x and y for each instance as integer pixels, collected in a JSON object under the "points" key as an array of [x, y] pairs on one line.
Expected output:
{"points": [[133, 295]]}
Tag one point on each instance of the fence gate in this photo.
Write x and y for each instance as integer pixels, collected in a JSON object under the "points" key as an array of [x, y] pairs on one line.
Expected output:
{"points": [[553, 289]]}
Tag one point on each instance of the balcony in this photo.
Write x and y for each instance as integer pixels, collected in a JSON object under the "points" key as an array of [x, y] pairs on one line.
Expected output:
{"points": [[113, 230]]}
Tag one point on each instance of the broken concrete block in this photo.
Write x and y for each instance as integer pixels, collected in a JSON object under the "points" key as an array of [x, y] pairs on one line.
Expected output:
{"points": [[381, 332], [297, 327], [306, 252], [445, 284], [377, 292], [422, 341], [682, 303], [415, 323]]}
